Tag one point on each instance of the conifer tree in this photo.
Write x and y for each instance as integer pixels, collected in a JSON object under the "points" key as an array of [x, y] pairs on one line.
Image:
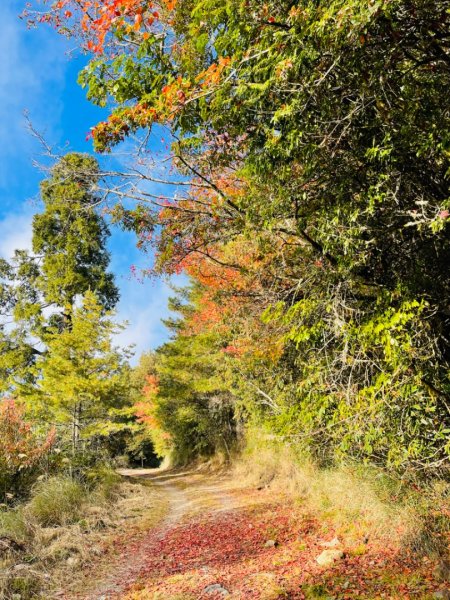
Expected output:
{"points": [[192, 401], [70, 236], [81, 374], [38, 292]]}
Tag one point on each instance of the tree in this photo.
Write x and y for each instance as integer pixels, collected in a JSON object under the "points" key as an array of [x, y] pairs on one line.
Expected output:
{"points": [[187, 397], [70, 237], [316, 136], [133, 435], [39, 291], [81, 375]]}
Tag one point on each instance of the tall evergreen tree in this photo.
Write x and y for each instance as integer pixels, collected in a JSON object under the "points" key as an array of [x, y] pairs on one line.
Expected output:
{"points": [[70, 236], [39, 291], [81, 375]]}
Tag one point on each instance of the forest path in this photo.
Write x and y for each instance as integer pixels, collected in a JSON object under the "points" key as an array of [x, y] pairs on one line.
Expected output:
{"points": [[188, 494], [220, 540]]}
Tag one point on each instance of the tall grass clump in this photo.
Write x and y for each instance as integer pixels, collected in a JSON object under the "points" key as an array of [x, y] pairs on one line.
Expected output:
{"points": [[13, 526], [57, 501], [104, 483]]}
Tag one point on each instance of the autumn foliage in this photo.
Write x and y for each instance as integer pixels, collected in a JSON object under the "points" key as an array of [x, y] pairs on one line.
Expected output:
{"points": [[144, 408], [308, 149], [96, 19], [21, 450], [292, 160]]}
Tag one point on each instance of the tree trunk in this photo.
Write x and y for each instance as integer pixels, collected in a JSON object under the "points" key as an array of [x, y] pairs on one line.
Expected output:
{"points": [[76, 416]]}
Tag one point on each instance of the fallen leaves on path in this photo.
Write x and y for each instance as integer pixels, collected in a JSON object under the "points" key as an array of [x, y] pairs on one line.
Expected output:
{"points": [[227, 551]]}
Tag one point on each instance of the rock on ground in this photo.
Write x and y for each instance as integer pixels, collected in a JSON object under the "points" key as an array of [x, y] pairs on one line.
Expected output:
{"points": [[329, 557]]}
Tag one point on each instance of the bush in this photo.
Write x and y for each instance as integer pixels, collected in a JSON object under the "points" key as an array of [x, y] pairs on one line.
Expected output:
{"points": [[57, 501], [22, 454]]}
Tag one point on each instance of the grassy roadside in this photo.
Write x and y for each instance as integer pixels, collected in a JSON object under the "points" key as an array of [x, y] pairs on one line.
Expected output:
{"points": [[374, 519], [54, 541], [358, 500]]}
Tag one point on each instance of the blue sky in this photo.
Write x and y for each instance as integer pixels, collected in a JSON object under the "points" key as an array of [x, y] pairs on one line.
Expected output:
{"points": [[38, 76]]}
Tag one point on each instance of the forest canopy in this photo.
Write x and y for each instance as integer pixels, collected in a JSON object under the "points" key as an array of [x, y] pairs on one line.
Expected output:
{"points": [[310, 150]]}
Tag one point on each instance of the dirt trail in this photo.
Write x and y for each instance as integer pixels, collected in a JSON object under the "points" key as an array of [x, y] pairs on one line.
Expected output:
{"points": [[177, 499], [188, 494], [219, 540]]}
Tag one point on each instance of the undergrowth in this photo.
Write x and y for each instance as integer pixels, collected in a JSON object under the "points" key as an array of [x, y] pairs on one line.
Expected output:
{"points": [[360, 500], [62, 528], [57, 501]]}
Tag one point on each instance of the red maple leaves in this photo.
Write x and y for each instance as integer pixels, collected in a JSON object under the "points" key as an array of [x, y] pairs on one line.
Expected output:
{"points": [[230, 550], [19, 446]]}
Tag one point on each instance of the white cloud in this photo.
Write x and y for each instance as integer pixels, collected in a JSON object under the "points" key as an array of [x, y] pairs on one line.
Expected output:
{"points": [[15, 233]]}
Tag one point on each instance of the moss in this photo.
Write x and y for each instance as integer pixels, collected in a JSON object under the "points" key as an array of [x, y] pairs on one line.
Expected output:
{"points": [[315, 591], [358, 550]]}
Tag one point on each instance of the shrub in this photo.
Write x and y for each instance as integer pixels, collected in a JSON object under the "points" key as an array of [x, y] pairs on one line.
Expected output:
{"points": [[57, 501], [21, 452]]}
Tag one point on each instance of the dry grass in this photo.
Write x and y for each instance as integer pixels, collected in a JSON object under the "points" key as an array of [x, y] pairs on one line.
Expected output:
{"points": [[46, 552], [359, 501]]}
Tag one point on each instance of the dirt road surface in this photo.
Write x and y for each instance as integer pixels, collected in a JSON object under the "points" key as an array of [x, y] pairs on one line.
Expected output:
{"points": [[220, 540]]}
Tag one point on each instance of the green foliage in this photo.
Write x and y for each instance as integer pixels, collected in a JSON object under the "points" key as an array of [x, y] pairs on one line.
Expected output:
{"points": [[131, 437], [38, 292], [193, 403], [56, 334], [333, 116], [104, 482], [366, 394], [71, 237], [317, 139], [82, 376]]}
